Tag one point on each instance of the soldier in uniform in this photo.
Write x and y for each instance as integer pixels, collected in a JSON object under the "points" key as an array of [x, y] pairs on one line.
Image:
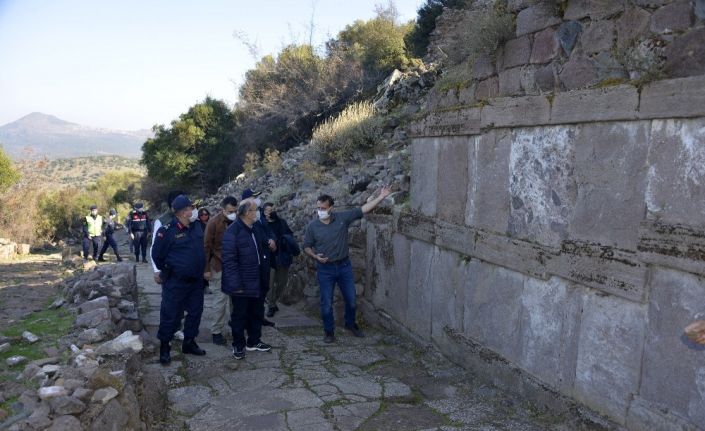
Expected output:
{"points": [[139, 228], [179, 255], [109, 240], [92, 232], [160, 221]]}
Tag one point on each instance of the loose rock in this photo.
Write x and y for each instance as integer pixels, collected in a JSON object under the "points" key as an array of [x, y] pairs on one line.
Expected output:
{"points": [[104, 395], [51, 392], [29, 337]]}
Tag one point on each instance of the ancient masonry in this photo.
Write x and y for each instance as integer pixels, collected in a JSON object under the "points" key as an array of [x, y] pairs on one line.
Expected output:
{"points": [[556, 242]]}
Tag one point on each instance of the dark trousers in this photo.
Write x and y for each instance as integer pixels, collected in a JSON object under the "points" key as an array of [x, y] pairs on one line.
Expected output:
{"points": [[140, 243], [247, 314], [328, 275], [179, 296], [87, 241], [109, 241]]}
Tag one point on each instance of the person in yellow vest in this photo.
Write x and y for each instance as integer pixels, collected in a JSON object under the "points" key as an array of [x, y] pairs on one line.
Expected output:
{"points": [[92, 232]]}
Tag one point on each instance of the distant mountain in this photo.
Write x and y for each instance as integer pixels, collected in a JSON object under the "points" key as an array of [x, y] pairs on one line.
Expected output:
{"points": [[55, 138]]}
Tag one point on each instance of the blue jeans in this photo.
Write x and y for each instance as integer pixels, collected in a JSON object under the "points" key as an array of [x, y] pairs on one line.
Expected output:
{"points": [[328, 275]]}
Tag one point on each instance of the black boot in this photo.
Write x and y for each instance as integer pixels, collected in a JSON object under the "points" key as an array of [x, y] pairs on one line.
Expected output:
{"points": [[100, 258], [119, 259], [190, 346], [164, 353]]}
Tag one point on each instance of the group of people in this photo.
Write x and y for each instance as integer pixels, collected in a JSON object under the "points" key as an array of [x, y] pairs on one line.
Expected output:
{"points": [[244, 253]]}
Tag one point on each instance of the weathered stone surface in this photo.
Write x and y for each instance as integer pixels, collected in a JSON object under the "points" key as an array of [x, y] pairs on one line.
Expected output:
{"points": [[65, 405], [522, 256], [48, 392], [536, 17], [449, 285], [94, 304], [418, 227], [672, 245], [487, 89], [189, 400], [632, 25], [610, 166], [15, 360], [127, 341], [595, 9], [674, 193], [545, 46], [90, 336], [113, 417], [673, 98], [93, 318], [104, 395], [684, 56], [483, 67], [424, 176], [545, 78], [673, 17], [488, 182], [65, 423], [516, 111], [598, 37], [4, 347], [510, 82], [516, 52], [609, 68], [578, 72], [674, 300], [419, 296], [542, 186], [459, 121], [567, 35], [609, 353], [619, 102], [453, 171], [29, 337], [700, 9]]}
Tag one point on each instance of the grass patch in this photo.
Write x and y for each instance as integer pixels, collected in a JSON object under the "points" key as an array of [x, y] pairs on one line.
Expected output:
{"points": [[48, 325]]}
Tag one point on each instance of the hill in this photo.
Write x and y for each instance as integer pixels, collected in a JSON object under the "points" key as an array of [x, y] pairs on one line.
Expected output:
{"points": [[80, 171], [42, 135]]}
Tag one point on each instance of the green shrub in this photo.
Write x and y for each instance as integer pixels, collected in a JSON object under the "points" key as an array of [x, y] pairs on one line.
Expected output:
{"points": [[272, 161], [486, 32], [8, 174], [355, 130], [417, 39]]}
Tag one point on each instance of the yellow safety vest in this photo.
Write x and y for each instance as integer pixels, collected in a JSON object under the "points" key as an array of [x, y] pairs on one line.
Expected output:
{"points": [[95, 226]]}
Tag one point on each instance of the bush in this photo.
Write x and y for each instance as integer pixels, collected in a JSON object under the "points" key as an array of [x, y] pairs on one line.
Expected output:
{"points": [[8, 174], [486, 32], [272, 161], [355, 130], [417, 39]]}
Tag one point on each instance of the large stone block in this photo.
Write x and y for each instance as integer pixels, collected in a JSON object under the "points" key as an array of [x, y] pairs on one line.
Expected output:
{"points": [[578, 72], [598, 37], [488, 189], [387, 270], [483, 67], [510, 82], [493, 308], [452, 178], [684, 57], [674, 17], [461, 121], [456, 237], [644, 415], [673, 372], [632, 25], [516, 111], [424, 176], [610, 170], [419, 293], [545, 78], [675, 192], [550, 317], [487, 89], [545, 46], [673, 98], [536, 17], [606, 104], [672, 245], [542, 184], [516, 52], [523, 256], [610, 349], [418, 227], [448, 289], [595, 9]]}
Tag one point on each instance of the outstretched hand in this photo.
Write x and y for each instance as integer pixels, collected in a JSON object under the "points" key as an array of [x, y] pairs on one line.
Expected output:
{"points": [[696, 331], [385, 191]]}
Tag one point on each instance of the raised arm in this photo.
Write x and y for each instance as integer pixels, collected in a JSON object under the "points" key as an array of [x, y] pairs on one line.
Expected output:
{"points": [[383, 193]]}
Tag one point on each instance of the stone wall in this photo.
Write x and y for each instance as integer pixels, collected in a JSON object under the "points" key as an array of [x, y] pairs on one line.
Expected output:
{"points": [[554, 243]]}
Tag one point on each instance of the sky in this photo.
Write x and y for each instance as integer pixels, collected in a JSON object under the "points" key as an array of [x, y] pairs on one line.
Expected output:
{"points": [[131, 64]]}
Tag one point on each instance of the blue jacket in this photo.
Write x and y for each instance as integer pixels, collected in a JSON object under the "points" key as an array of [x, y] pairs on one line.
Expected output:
{"points": [[245, 259], [178, 251]]}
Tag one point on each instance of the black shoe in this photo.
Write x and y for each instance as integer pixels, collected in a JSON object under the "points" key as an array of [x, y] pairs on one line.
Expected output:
{"points": [[100, 259], [164, 353], [260, 347], [355, 330], [238, 353], [329, 338], [272, 310], [119, 259], [266, 322], [144, 260], [219, 339], [189, 346]]}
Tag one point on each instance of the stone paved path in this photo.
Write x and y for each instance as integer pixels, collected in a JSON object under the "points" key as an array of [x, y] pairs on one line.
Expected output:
{"points": [[381, 382]]}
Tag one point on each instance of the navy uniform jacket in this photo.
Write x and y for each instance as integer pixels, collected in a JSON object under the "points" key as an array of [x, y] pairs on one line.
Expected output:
{"points": [[178, 251]]}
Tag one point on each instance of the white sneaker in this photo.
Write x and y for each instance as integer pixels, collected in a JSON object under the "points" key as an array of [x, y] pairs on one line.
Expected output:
{"points": [[179, 335]]}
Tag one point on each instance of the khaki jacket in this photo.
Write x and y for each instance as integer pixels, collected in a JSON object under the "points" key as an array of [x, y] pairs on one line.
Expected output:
{"points": [[213, 242]]}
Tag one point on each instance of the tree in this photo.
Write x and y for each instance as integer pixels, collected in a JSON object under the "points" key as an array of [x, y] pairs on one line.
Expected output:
{"points": [[417, 39], [9, 176], [193, 153]]}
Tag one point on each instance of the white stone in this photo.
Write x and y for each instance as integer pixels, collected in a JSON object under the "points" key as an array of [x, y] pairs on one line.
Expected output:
{"points": [[125, 341], [51, 392], [29, 337], [104, 395], [82, 361], [15, 360], [4, 347], [75, 349], [51, 369]]}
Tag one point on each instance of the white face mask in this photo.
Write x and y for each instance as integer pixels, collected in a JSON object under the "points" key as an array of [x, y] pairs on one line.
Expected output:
{"points": [[323, 214], [231, 217], [194, 215], [94, 212]]}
